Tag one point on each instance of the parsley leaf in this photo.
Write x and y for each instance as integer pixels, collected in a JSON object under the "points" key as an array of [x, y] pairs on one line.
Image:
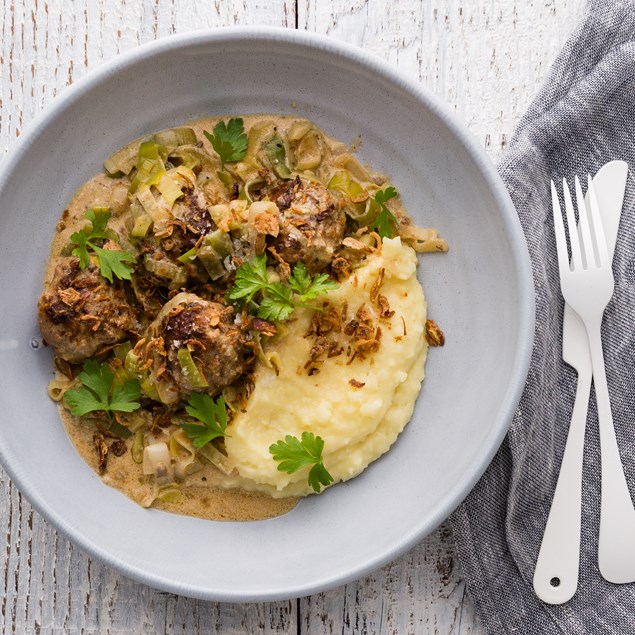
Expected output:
{"points": [[114, 262], [125, 398], [277, 300], [110, 261], [99, 217], [212, 414], [385, 222], [251, 277], [309, 288], [278, 305], [294, 454], [229, 140], [97, 393]]}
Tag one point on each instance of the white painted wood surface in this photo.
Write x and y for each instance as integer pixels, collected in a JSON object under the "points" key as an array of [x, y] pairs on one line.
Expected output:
{"points": [[486, 59]]}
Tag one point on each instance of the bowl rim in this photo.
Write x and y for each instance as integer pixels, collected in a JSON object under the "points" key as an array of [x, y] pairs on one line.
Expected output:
{"points": [[68, 96]]}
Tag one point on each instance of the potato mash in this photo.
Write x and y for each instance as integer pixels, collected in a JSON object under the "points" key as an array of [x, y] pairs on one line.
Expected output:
{"points": [[235, 316], [363, 404]]}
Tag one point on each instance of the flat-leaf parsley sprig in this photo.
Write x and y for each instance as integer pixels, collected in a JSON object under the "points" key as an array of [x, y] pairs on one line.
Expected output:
{"points": [[277, 300], [229, 140], [110, 261], [212, 414], [98, 393], [385, 222], [294, 454]]}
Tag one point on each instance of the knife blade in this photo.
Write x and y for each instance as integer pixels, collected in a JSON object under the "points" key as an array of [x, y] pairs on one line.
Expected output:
{"points": [[609, 184], [557, 567]]}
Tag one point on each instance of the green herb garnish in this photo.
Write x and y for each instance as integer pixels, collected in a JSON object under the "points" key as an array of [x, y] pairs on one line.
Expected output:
{"points": [[110, 261], [98, 393], [229, 140], [385, 222], [308, 287], [212, 414], [294, 454], [277, 300]]}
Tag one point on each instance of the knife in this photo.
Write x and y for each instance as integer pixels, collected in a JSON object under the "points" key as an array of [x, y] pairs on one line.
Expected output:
{"points": [[557, 567]]}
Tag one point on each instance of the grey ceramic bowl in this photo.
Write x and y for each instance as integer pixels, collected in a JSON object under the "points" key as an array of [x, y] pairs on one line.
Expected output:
{"points": [[480, 293]]}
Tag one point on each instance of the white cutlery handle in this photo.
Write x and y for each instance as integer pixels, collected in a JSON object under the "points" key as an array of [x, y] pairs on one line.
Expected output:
{"points": [[616, 546], [556, 573]]}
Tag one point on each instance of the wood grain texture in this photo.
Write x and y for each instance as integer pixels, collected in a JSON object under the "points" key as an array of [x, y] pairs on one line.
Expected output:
{"points": [[486, 59]]}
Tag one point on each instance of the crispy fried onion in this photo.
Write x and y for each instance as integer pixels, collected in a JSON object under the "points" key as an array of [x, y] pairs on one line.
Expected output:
{"points": [[101, 447], [335, 335], [422, 239]]}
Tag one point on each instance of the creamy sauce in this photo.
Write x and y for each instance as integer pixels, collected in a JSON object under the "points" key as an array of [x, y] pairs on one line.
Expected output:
{"points": [[204, 493], [198, 498]]}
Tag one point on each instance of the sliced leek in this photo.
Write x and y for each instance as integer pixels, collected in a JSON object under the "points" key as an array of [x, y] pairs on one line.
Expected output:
{"points": [[150, 161], [214, 248], [276, 154], [190, 371]]}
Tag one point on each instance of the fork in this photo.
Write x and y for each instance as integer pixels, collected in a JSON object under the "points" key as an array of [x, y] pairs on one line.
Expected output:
{"points": [[587, 285]]}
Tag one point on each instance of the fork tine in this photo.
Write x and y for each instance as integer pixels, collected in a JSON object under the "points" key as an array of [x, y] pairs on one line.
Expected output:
{"points": [[574, 239], [561, 238], [596, 219], [583, 224]]}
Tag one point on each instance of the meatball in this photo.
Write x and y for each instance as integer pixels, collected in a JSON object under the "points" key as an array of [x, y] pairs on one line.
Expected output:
{"points": [[80, 312], [312, 224], [218, 346], [149, 291], [197, 220], [193, 219], [161, 253]]}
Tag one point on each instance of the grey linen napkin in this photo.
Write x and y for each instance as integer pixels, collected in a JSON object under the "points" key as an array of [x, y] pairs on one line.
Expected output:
{"points": [[583, 117]]}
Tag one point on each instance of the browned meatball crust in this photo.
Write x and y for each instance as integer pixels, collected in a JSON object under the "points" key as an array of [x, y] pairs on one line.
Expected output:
{"points": [[192, 220], [80, 312], [165, 271], [219, 347], [312, 224]]}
